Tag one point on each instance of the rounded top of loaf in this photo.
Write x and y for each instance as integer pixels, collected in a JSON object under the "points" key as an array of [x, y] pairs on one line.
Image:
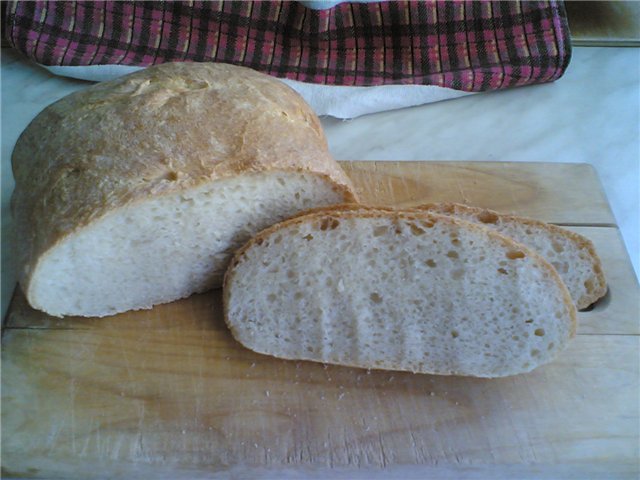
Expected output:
{"points": [[174, 124], [159, 130]]}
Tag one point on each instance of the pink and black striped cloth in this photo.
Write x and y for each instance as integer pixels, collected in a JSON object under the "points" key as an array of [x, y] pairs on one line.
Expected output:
{"points": [[470, 46]]}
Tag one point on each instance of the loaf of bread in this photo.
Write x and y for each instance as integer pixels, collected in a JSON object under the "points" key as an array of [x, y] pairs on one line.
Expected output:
{"points": [[137, 191], [403, 290], [572, 255]]}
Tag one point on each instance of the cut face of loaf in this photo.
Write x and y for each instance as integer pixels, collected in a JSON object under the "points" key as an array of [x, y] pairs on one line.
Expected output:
{"points": [[397, 290], [135, 192], [572, 255], [168, 247]]}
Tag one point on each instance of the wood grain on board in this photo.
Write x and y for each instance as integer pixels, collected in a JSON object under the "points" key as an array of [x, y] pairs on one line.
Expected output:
{"points": [[198, 398], [557, 193], [168, 392]]}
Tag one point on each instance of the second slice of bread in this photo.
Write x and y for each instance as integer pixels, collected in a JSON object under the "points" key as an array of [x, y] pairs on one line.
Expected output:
{"points": [[572, 255], [406, 290]]}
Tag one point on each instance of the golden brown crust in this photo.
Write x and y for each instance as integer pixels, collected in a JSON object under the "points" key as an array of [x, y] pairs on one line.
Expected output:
{"points": [[161, 130], [350, 211], [598, 288]]}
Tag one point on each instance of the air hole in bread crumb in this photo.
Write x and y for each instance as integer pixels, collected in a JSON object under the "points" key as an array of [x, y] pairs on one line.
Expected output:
{"points": [[457, 274], [535, 352], [430, 263], [539, 332], [452, 254], [455, 241], [529, 320], [379, 231], [502, 271], [515, 254], [172, 176], [277, 240], [488, 217], [375, 298], [308, 237], [454, 334], [329, 223], [550, 346], [298, 295], [272, 297], [416, 230], [558, 315], [557, 247]]}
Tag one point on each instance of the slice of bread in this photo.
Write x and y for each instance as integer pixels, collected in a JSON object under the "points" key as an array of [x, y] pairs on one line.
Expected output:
{"points": [[137, 191], [409, 290], [572, 255]]}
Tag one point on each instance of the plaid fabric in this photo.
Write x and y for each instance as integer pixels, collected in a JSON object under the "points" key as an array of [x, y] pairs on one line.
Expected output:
{"points": [[470, 46]]}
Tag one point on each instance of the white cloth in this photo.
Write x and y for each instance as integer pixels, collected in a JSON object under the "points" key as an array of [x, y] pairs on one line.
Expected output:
{"points": [[326, 4], [335, 101]]}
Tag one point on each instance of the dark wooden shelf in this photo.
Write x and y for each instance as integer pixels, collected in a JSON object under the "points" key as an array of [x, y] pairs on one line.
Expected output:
{"points": [[605, 23]]}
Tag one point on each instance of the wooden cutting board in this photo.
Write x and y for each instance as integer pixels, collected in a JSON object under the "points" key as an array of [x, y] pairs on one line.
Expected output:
{"points": [[168, 393]]}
